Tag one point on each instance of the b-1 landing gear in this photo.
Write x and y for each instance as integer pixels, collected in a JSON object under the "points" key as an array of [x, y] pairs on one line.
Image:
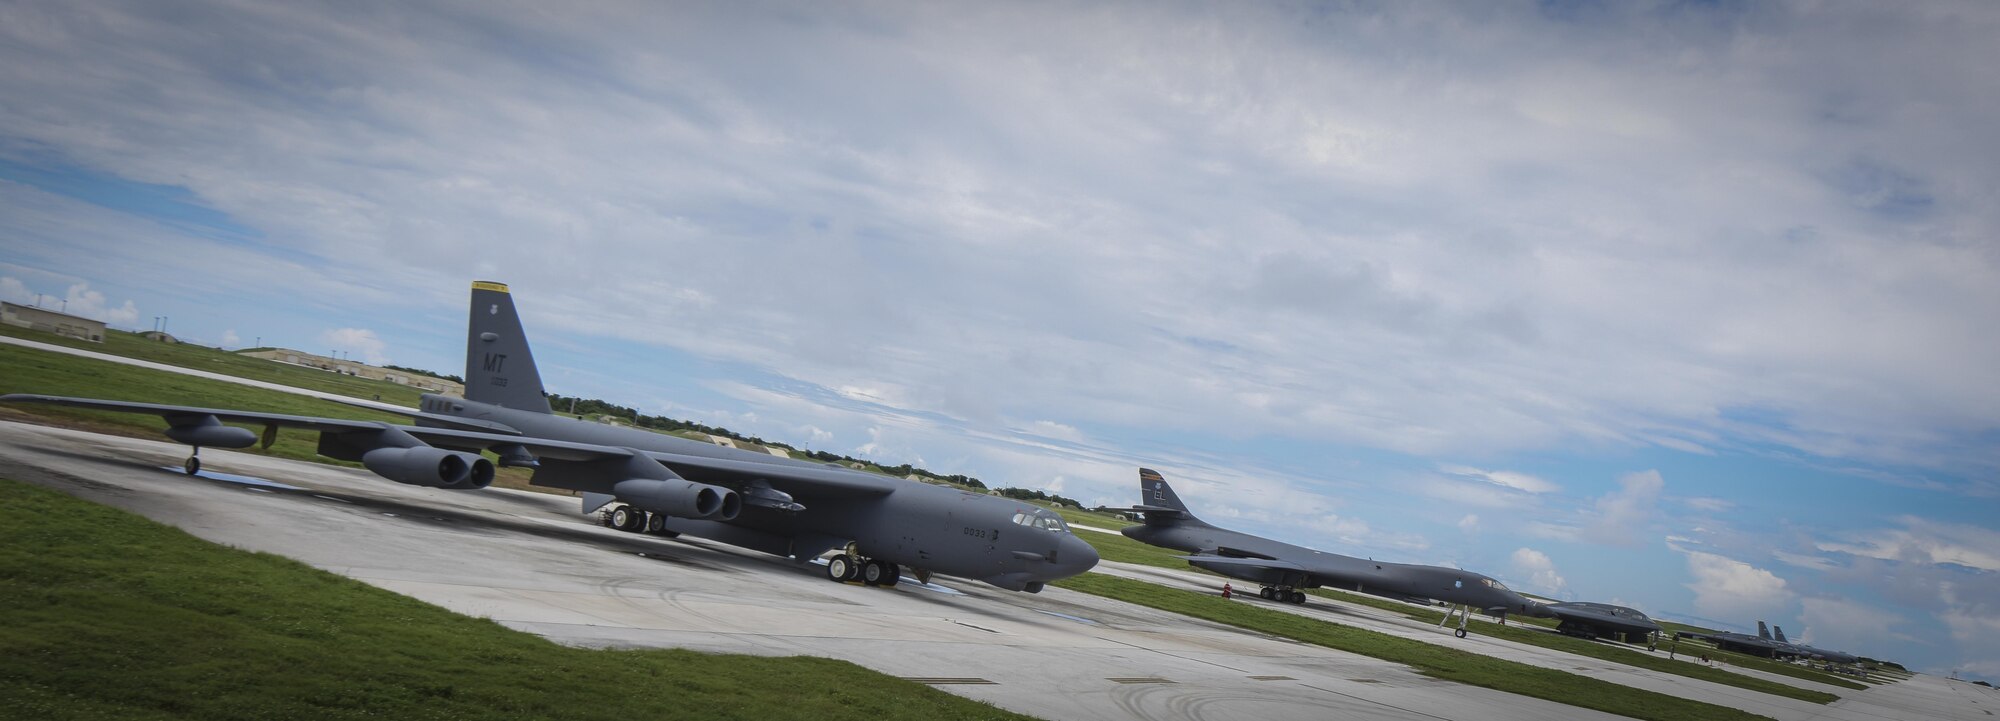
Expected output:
{"points": [[1464, 615], [850, 566], [1283, 594], [193, 464]]}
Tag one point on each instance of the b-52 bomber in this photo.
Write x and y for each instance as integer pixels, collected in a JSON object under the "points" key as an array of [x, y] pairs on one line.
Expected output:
{"points": [[1284, 569], [873, 525]]}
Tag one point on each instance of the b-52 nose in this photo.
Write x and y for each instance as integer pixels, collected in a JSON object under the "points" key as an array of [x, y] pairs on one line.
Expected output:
{"points": [[1073, 556]]}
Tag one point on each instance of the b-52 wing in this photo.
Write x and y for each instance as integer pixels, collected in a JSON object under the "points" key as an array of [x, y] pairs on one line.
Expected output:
{"points": [[425, 455]]}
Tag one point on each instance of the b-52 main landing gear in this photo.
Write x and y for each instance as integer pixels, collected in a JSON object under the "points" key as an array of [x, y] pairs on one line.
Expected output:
{"points": [[1281, 593], [850, 566], [632, 520]]}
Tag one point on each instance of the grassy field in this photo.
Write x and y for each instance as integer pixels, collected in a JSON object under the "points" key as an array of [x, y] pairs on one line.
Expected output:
{"points": [[1437, 661], [110, 615]]}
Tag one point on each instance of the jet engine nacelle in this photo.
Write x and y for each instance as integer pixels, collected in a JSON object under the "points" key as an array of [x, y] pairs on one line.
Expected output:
{"points": [[431, 467], [678, 497], [208, 431]]}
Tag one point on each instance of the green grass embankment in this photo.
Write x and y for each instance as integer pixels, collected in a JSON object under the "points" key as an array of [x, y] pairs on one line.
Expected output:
{"points": [[1431, 660], [109, 615]]}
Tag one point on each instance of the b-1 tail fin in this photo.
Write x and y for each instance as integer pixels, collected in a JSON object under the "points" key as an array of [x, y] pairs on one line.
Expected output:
{"points": [[1158, 501], [1763, 632], [498, 367], [1154, 491]]}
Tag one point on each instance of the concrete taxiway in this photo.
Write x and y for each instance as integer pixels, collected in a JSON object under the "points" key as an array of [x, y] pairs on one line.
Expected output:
{"points": [[532, 562]]}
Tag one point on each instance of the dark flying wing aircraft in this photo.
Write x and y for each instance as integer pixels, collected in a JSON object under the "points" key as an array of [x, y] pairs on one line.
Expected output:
{"points": [[1592, 620], [875, 523], [1283, 568]]}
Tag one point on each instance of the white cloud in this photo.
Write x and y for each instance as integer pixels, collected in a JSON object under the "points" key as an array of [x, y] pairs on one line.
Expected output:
{"points": [[230, 339], [14, 291], [1505, 479], [1539, 570], [1469, 523], [350, 342], [1708, 505], [1925, 541], [1817, 563], [82, 301], [1732, 590], [1847, 625], [1623, 517], [1056, 430]]}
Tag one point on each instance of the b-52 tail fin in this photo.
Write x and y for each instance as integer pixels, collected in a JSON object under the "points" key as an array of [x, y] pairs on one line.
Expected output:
{"points": [[1763, 632], [498, 367], [1779, 631]]}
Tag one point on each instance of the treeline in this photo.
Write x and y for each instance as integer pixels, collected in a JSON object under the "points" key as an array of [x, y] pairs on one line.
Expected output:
{"points": [[595, 407], [422, 372], [1028, 495]]}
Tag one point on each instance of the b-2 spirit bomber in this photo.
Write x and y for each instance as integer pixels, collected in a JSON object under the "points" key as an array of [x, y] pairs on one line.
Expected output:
{"points": [[873, 526], [1284, 569]]}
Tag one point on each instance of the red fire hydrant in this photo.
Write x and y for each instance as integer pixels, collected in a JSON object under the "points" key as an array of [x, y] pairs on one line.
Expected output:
{"points": [[1226, 590]]}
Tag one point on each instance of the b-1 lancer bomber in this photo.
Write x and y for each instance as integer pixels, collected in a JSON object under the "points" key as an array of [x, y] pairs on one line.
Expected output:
{"points": [[873, 526], [1284, 569]]}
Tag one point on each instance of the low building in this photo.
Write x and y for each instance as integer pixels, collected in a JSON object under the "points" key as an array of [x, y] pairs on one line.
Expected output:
{"points": [[49, 321], [360, 370]]}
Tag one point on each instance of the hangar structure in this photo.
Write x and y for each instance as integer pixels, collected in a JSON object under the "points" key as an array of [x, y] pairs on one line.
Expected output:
{"points": [[49, 321]]}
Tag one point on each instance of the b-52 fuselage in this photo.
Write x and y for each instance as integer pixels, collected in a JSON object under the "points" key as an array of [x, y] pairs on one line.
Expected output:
{"points": [[873, 525], [1283, 569]]}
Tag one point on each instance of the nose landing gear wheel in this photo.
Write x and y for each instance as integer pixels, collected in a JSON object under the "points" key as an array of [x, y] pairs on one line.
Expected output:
{"points": [[192, 466], [1459, 632]]}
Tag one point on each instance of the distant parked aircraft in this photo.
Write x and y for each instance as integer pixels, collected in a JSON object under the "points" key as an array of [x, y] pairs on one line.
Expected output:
{"points": [[1284, 569], [1809, 651]]}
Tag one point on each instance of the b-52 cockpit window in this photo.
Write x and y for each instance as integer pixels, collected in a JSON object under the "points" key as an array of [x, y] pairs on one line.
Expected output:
{"points": [[1043, 520]]}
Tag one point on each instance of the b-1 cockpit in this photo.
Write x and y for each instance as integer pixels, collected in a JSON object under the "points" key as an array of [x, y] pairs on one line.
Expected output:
{"points": [[1041, 518]]}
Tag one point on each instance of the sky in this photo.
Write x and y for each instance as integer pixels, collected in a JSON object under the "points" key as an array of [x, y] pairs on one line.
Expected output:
{"points": [[1687, 306]]}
